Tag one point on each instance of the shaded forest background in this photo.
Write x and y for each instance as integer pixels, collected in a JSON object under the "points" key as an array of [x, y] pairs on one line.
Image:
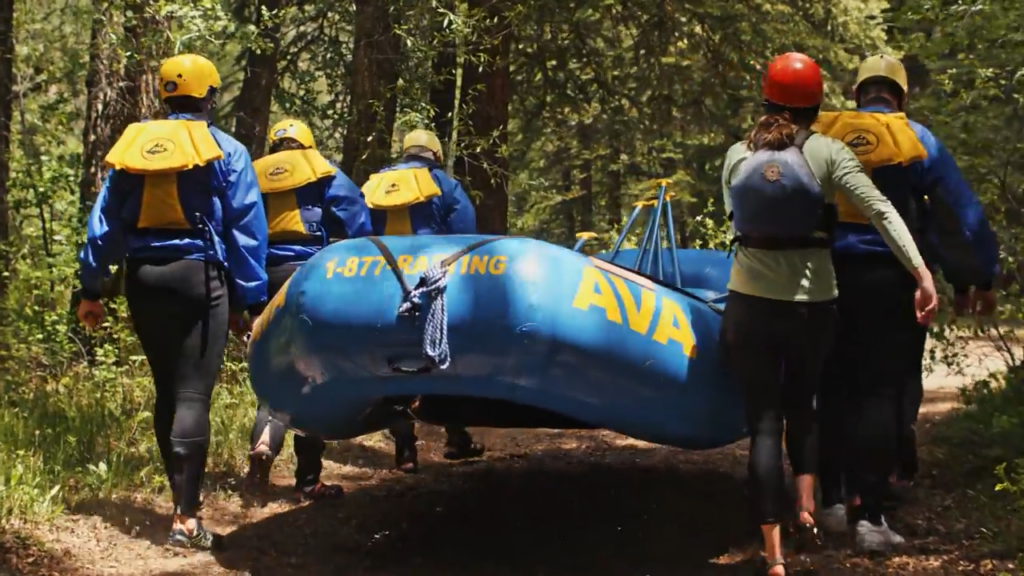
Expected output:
{"points": [[556, 116]]}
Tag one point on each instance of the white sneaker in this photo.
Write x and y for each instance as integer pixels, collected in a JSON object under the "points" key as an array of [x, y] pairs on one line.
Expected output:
{"points": [[871, 538], [833, 519]]}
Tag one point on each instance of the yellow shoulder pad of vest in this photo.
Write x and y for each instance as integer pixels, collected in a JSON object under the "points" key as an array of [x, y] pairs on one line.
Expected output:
{"points": [[164, 147], [401, 188], [878, 139], [290, 169]]}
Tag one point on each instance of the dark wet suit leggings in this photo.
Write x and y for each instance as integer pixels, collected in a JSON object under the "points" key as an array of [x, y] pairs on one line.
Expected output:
{"points": [[180, 312], [309, 450], [873, 386], [776, 350]]}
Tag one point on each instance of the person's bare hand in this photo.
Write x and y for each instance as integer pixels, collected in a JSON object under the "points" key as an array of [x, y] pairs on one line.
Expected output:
{"points": [[91, 313], [926, 300]]}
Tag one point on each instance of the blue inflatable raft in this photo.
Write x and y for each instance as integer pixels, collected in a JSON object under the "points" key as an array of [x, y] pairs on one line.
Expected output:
{"points": [[538, 336]]}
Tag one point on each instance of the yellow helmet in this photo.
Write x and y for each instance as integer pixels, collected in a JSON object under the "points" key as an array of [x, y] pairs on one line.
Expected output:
{"points": [[293, 129], [424, 138], [882, 66], [188, 75]]}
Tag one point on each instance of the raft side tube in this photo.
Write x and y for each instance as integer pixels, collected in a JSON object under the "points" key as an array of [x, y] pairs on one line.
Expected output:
{"points": [[528, 322]]}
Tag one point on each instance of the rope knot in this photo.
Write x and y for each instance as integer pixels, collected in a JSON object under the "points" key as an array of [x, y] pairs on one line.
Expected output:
{"points": [[433, 283]]}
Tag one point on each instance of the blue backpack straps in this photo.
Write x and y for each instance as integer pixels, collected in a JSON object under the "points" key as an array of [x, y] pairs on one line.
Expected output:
{"points": [[778, 204]]}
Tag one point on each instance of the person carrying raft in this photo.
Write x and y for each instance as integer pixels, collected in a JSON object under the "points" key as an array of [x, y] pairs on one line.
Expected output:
{"points": [[416, 196], [182, 207], [780, 187], [308, 202], [875, 385]]}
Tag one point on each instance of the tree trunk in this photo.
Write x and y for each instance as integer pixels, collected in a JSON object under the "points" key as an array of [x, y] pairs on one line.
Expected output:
{"points": [[484, 167], [585, 201], [442, 91], [6, 111], [117, 93], [145, 46], [367, 144], [252, 112], [104, 111], [567, 209]]}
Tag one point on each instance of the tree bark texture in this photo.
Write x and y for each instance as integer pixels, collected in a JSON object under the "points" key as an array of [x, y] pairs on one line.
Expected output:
{"points": [[367, 144], [484, 168], [252, 111], [117, 92], [442, 91], [6, 112]]}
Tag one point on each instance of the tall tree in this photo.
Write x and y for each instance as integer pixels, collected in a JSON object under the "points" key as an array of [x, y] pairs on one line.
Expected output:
{"points": [[443, 89], [485, 81], [6, 110], [119, 90], [252, 111], [376, 49]]}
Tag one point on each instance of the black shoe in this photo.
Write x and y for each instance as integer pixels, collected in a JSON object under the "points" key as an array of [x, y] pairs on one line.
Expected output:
{"points": [[808, 537], [407, 459], [463, 450], [319, 491], [198, 539]]}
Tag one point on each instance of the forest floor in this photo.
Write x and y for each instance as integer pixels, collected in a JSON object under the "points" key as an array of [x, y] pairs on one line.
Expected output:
{"points": [[541, 503]]}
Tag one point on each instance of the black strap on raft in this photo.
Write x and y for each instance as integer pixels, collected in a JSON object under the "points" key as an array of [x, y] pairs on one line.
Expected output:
{"points": [[444, 264], [392, 262]]}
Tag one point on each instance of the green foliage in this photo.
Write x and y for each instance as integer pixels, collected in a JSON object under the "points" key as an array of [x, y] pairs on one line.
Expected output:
{"points": [[606, 97], [974, 99], [70, 428]]}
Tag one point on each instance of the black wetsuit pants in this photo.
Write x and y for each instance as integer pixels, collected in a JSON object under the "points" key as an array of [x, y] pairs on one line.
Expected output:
{"points": [[309, 450], [403, 430], [179, 309], [873, 386], [777, 351]]}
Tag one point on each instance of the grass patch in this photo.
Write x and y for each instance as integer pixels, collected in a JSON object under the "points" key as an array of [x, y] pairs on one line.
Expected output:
{"points": [[73, 429], [979, 455]]}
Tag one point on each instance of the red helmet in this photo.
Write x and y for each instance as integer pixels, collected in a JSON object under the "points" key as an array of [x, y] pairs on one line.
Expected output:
{"points": [[793, 80]]}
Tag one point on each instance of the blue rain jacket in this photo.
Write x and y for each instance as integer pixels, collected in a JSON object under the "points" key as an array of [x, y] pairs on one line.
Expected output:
{"points": [[224, 205], [345, 216], [951, 222], [449, 213]]}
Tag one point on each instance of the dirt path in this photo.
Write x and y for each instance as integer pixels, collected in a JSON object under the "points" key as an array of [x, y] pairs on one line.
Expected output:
{"points": [[542, 503]]}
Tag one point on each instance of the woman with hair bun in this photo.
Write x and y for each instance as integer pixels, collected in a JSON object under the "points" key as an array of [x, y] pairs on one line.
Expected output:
{"points": [[780, 188]]}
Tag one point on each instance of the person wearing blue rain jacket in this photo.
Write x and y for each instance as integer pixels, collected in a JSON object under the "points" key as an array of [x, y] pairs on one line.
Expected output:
{"points": [[309, 202], [181, 211], [870, 407], [416, 196], [437, 206]]}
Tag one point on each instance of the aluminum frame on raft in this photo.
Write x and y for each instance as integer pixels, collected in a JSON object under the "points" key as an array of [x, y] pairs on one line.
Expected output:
{"points": [[651, 242]]}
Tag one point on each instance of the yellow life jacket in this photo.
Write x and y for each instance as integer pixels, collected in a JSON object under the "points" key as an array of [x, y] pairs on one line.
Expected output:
{"points": [[877, 139], [158, 150], [394, 191], [280, 175]]}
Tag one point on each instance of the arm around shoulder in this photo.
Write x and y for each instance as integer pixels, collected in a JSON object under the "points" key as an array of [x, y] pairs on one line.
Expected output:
{"points": [[848, 177]]}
